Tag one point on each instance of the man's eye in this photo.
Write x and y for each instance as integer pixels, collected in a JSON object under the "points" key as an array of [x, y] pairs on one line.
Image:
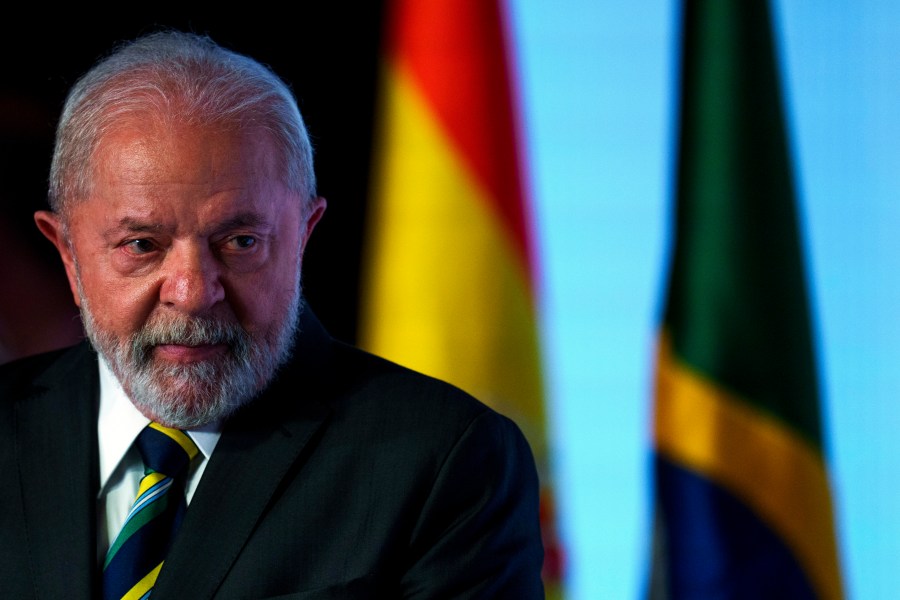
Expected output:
{"points": [[141, 246], [243, 242]]}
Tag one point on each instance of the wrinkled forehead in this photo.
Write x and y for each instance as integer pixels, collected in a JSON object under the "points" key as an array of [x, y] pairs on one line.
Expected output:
{"points": [[159, 149]]}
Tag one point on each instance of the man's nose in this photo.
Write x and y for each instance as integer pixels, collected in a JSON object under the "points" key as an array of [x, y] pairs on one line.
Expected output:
{"points": [[191, 279]]}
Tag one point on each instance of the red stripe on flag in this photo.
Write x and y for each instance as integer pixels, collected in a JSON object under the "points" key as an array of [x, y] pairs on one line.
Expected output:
{"points": [[456, 52]]}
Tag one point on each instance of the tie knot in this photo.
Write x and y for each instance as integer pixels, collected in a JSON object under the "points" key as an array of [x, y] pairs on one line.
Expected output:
{"points": [[165, 450]]}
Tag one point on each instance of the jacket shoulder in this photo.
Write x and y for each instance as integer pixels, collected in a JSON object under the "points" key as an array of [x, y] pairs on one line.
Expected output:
{"points": [[397, 383], [19, 376]]}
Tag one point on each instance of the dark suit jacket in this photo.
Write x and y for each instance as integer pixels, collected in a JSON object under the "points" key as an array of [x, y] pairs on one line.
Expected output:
{"points": [[350, 477]]}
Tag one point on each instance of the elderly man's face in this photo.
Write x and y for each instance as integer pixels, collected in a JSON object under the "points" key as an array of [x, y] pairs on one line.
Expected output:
{"points": [[185, 262]]}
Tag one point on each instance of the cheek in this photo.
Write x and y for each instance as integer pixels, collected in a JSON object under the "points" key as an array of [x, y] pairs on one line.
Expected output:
{"points": [[259, 300], [118, 304]]}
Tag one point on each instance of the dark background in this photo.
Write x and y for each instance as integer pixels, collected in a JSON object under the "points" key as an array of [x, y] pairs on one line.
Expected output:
{"points": [[328, 53]]}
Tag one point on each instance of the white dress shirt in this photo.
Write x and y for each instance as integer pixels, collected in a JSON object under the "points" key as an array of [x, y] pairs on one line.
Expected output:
{"points": [[121, 467]]}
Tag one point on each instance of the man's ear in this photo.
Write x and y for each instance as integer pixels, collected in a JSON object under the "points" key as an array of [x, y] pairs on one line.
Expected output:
{"points": [[51, 226], [316, 210]]}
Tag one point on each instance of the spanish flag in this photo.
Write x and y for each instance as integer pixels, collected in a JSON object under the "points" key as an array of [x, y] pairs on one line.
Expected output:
{"points": [[742, 492], [449, 269]]}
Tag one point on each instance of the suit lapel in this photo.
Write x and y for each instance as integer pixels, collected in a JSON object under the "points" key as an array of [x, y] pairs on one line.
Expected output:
{"points": [[258, 447], [56, 445]]}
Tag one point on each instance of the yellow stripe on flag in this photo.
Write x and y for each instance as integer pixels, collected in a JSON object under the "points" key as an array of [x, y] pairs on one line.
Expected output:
{"points": [[447, 284], [446, 293], [706, 429]]}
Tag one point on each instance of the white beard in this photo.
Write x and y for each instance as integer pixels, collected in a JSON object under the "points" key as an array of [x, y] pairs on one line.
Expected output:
{"points": [[186, 396]]}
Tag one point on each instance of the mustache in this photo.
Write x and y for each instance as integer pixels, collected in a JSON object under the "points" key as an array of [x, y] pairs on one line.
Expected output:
{"points": [[189, 331]]}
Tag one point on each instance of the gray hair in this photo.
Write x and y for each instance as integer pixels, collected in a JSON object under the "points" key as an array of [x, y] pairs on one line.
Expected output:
{"points": [[177, 77]]}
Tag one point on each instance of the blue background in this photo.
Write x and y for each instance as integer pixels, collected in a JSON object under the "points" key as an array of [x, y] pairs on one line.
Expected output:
{"points": [[598, 91]]}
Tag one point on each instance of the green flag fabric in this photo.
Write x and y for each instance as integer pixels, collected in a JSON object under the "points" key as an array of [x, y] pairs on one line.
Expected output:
{"points": [[742, 496]]}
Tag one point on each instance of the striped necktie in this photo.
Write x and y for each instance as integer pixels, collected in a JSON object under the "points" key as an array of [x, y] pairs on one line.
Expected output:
{"points": [[136, 556]]}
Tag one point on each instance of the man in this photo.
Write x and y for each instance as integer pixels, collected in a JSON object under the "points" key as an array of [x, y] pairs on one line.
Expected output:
{"points": [[183, 194]]}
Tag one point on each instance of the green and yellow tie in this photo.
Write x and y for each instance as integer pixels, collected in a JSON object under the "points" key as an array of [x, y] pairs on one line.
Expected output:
{"points": [[136, 556]]}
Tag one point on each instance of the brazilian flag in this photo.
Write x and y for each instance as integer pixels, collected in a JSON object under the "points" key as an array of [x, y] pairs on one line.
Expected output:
{"points": [[742, 496]]}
